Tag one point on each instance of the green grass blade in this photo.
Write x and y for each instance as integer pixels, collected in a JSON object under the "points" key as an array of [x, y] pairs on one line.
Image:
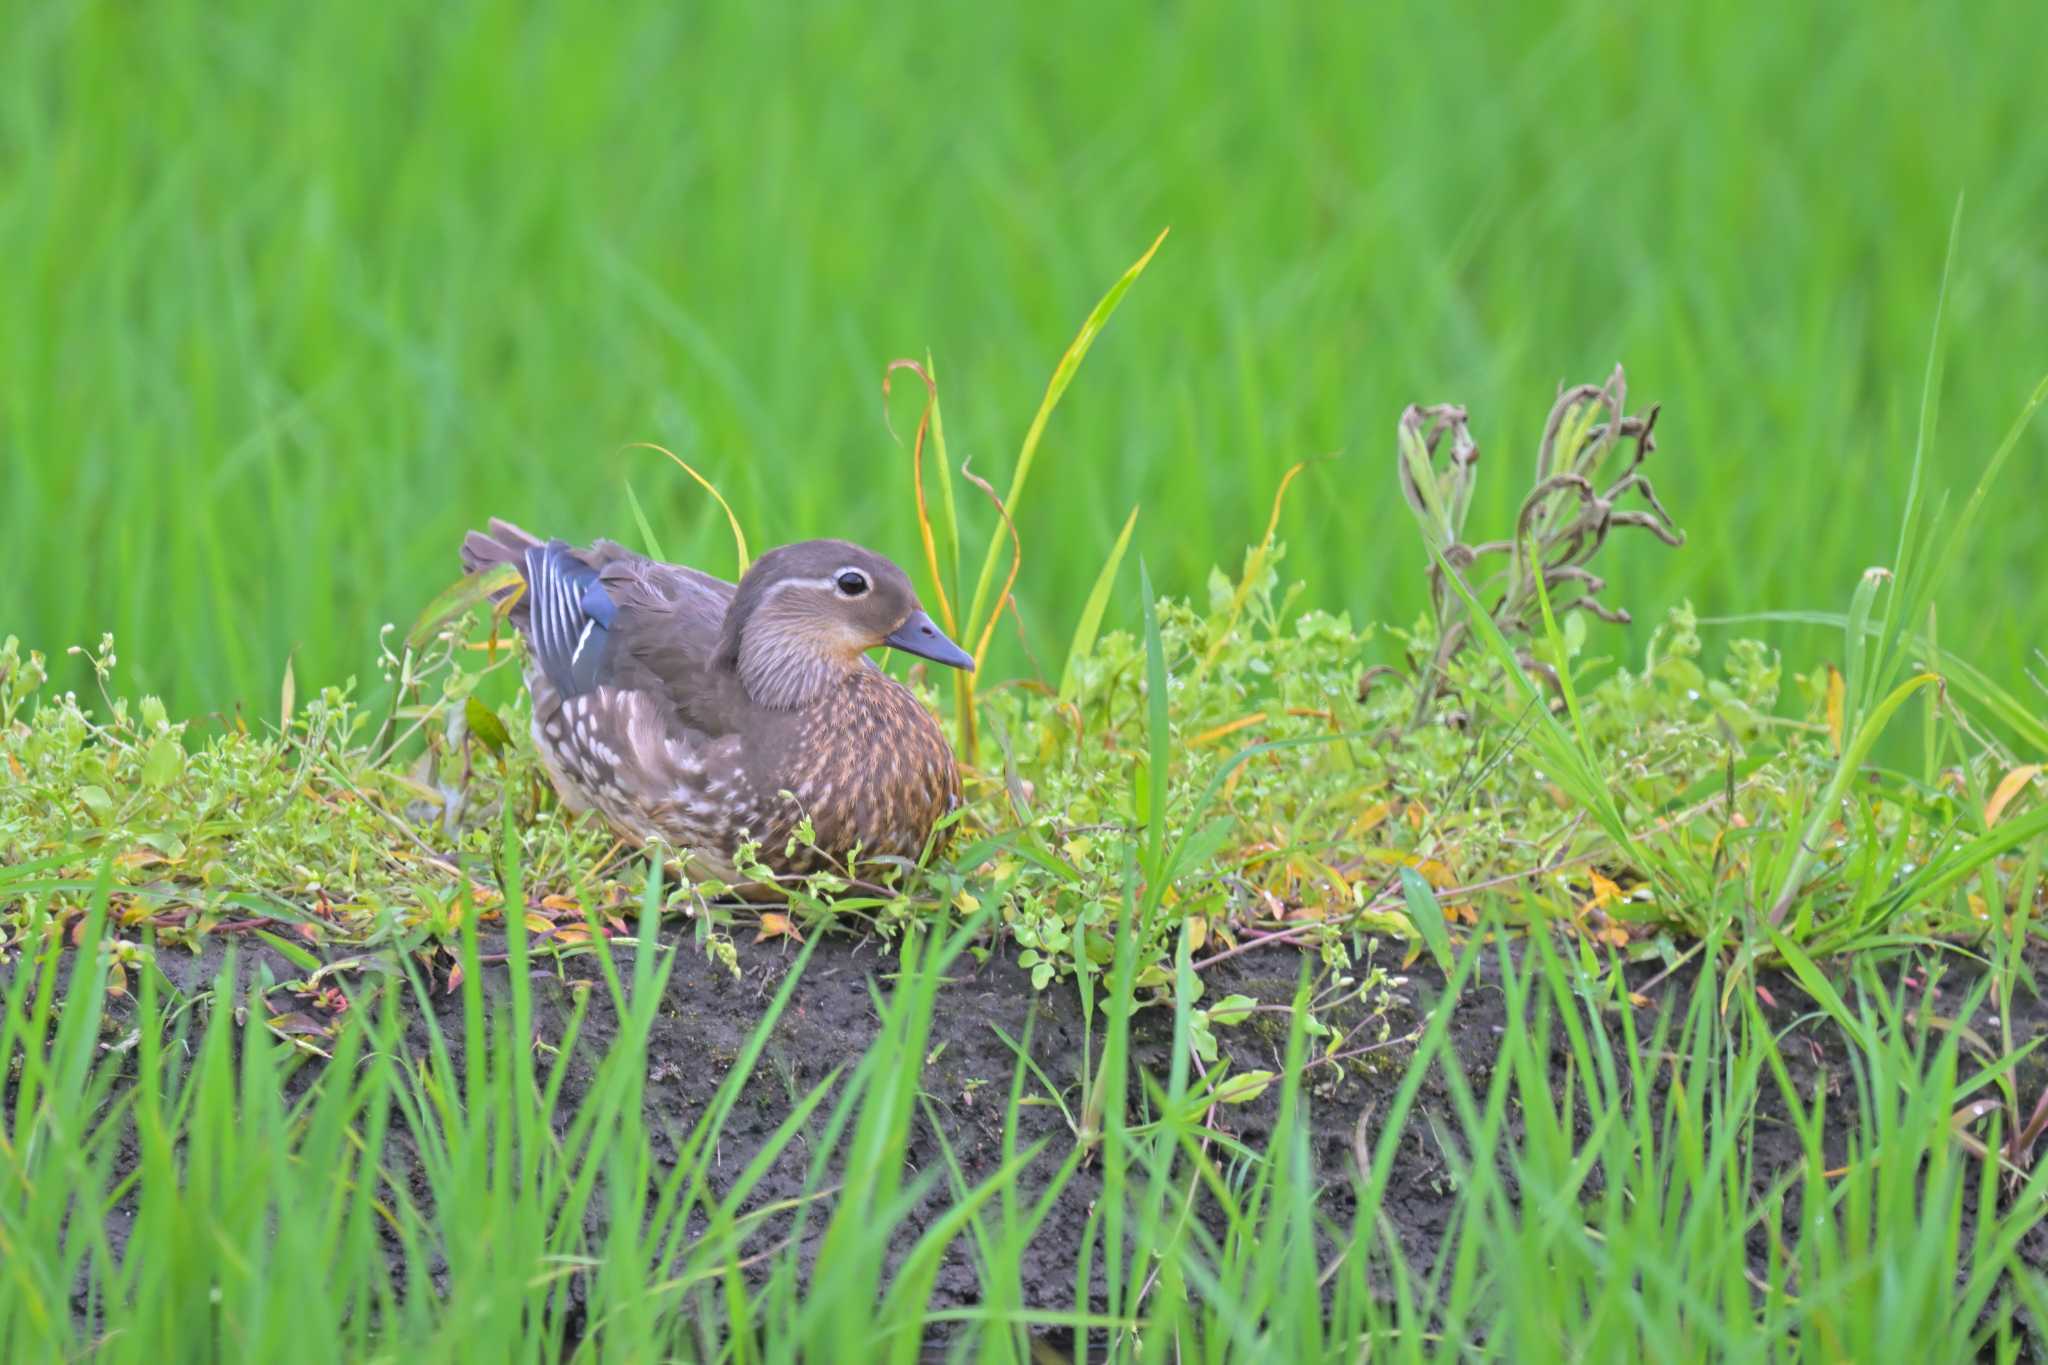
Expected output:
{"points": [[1062, 375], [1091, 611]]}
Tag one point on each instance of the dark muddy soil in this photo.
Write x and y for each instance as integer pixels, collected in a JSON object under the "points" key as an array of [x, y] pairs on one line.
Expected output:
{"points": [[707, 1015]]}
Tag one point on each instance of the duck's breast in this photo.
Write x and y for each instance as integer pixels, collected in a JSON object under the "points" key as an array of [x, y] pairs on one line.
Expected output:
{"points": [[871, 767]]}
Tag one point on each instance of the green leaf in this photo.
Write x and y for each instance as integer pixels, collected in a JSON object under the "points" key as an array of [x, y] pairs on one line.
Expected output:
{"points": [[483, 722], [299, 956], [164, 842], [1857, 681], [96, 800], [1198, 848], [1231, 1009], [463, 595], [739, 537], [1157, 738], [949, 507], [1062, 376], [1091, 612], [1818, 986], [163, 761], [1427, 917], [1244, 1087], [647, 537], [1854, 752]]}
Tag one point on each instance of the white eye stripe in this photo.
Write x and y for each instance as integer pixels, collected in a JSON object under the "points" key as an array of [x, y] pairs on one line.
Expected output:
{"points": [[827, 584]]}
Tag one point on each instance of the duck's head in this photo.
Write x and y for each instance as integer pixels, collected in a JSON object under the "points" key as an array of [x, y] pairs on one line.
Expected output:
{"points": [[804, 614]]}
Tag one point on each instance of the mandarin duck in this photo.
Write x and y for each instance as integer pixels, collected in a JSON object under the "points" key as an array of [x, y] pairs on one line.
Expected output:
{"points": [[684, 708]]}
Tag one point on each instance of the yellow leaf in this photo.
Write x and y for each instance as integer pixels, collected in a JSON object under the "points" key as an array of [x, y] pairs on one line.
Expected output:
{"points": [[558, 902], [1604, 892], [1836, 695], [1434, 872], [2010, 786], [537, 923], [573, 933], [1369, 819], [777, 925], [1227, 728], [1335, 879]]}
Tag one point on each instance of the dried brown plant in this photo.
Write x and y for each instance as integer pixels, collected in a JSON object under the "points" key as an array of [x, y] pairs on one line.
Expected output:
{"points": [[1564, 520]]}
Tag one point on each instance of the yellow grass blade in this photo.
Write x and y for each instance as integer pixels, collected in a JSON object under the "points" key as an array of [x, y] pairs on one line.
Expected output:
{"points": [[1229, 727], [988, 628], [460, 596], [1255, 564], [2011, 786], [739, 537], [924, 520]]}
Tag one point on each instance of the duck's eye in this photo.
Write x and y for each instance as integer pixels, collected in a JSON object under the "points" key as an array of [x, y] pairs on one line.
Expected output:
{"points": [[852, 584]]}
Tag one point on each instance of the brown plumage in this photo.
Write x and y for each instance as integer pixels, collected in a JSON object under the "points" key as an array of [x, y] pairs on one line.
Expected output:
{"points": [[682, 707]]}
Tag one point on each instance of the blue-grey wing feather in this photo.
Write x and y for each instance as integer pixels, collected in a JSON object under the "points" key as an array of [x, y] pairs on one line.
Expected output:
{"points": [[571, 616]]}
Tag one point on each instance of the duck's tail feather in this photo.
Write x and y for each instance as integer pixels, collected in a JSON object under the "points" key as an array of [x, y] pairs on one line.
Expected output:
{"points": [[503, 543]]}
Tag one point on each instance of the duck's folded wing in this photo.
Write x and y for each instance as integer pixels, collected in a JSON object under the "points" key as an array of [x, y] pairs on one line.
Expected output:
{"points": [[608, 618], [668, 620]]}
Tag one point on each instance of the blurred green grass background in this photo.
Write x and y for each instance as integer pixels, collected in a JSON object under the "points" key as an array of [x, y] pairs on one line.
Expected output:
{"points": [[292, 295]]}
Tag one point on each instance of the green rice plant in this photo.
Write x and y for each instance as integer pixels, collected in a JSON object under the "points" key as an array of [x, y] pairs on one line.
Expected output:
{"points": [[972, 619], [1621, 1157], [263, 1206]]}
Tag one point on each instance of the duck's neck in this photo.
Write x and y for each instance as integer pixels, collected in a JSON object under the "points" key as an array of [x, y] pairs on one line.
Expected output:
{"points": [[783, 672]]}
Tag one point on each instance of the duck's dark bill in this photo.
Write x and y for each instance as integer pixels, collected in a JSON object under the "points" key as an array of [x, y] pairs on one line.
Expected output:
{"points": [[920, 637]]}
